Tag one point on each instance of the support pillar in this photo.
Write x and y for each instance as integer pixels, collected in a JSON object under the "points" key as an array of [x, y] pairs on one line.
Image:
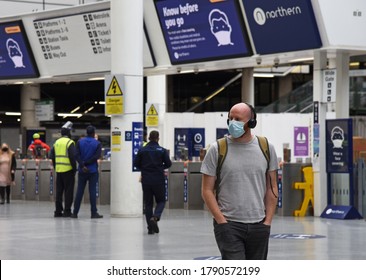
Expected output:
{"points": [[127, 60], [29, 94], [319, 161], [247, 86]]}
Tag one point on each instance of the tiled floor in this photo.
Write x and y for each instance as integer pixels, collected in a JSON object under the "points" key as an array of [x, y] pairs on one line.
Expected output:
{"points": [[28, 231]]}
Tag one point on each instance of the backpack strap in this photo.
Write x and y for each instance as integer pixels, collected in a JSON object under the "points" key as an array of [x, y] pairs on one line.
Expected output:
{"points": [[263, 144], [221, 155]]}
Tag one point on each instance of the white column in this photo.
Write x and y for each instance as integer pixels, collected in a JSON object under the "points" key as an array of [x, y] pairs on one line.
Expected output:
{"points": [[157, 95], [319, 162], [341, 63], [29, 94], [127, 59], [247, 86]]}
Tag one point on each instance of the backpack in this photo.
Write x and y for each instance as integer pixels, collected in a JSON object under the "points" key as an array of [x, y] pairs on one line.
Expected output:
{"points": [[38, 151], [222, 151]]}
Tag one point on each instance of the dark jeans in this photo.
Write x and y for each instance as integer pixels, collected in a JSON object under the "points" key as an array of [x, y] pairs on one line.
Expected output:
{"points": [[239, 241], [2, 193], [65, 182], [149, 192], [83, 178]]}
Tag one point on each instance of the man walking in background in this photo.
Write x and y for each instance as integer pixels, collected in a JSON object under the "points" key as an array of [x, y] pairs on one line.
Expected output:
{"points": [[152, 159]]}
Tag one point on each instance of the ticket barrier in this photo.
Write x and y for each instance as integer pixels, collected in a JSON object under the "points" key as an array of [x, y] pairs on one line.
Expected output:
{"points": [[32, 180], [176, 186], [18, 191], [104, 182], [47, 182], [194, 180], [290, 197]]}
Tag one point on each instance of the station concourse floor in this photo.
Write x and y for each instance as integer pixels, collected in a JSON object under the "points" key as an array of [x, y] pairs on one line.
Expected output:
{"points": [[28, 231]]}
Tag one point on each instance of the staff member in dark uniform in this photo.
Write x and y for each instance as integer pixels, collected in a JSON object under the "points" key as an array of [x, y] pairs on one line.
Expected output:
{"points": [[152, 159], [64, 162]]}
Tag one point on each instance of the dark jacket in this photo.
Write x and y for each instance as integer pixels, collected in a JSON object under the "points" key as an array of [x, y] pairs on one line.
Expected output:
{"points": [[152, 159], [88, 151]]}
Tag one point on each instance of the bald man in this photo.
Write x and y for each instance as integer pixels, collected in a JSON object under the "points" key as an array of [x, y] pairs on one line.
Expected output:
{"points": [[244, 202]]}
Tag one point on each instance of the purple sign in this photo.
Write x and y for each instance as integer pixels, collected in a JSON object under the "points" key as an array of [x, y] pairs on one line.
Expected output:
{"points": [[301, 141]]}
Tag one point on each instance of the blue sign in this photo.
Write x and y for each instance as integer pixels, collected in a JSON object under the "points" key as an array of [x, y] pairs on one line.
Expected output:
{"points": [[202, 30], [221, 132], [282, 26], [339, 146], [191, 139], [137, 141], [128, 136], [340, 212], [16, 57]]}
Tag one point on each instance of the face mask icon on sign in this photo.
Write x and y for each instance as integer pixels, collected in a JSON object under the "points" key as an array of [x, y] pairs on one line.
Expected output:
{"points": [[15, 53]]}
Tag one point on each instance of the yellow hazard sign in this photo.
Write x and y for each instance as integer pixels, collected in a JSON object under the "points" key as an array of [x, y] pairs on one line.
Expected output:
{"points": [[113, 95], [114, 88], [152, 115]]}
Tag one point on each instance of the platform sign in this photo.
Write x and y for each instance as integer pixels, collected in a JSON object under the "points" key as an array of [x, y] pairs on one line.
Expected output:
{"points": [[114, 99], [137, 141], [329, 85], [282, 26], [152, 115]]}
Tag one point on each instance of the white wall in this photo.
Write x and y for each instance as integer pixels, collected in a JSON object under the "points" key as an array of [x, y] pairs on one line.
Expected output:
{"points": [[278, 128]]}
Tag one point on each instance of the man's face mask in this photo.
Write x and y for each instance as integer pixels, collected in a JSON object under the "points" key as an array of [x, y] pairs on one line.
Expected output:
{"points": [[236, 128]]}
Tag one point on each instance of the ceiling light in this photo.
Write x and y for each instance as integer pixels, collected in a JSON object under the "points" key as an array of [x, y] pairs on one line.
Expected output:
{"points": [[13, 113]]}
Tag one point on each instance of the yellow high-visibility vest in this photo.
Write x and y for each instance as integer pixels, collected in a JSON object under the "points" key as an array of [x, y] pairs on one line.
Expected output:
{"points": [[61, 154]]}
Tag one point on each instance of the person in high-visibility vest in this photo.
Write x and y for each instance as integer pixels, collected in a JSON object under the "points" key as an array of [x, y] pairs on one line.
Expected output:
{"points": [[64, 162]]}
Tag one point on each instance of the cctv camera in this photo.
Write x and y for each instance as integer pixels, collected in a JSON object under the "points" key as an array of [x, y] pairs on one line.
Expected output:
{"points": [[276, 62], [179, 69], [258, 60]]}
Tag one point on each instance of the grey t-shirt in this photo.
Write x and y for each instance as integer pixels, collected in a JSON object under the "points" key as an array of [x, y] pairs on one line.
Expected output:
{"points": [[242, 186]]}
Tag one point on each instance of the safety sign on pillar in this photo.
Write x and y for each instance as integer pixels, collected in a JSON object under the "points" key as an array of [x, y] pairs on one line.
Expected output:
{"points": [[114, 99], [152, 115]]}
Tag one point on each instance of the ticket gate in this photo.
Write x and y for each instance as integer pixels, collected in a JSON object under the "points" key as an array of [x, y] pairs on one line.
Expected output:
{"points": [[194, 198], [46, 180], [18, 191], [176, 178], [32, 180]]}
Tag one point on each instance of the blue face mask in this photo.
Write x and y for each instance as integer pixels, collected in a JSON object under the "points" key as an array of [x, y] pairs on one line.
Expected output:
{"points": [[236, 128]]}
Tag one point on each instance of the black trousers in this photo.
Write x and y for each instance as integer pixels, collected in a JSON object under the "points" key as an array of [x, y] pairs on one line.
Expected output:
{"points": [[239, 241], [2, 193], [65, 182]]}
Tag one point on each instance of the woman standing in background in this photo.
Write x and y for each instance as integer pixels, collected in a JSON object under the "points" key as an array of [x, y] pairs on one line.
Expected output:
{"points": [[7, 171]]}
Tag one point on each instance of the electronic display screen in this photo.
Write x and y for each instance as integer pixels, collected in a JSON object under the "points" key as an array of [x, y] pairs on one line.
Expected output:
{"points": [[282, 26], [16, 57], [199, 30]]}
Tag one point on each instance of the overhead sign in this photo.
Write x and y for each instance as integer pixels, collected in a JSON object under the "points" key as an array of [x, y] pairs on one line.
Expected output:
{"points": [[152, 115], [78, 43], [16, 57], [202, 30], [45, 110], [329, 85], [282, 26], [114, 99]]}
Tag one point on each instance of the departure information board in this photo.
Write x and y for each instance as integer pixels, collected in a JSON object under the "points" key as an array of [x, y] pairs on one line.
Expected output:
{"points": [[16, 57], [202, 30], [76, 43], [79, 43]]}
